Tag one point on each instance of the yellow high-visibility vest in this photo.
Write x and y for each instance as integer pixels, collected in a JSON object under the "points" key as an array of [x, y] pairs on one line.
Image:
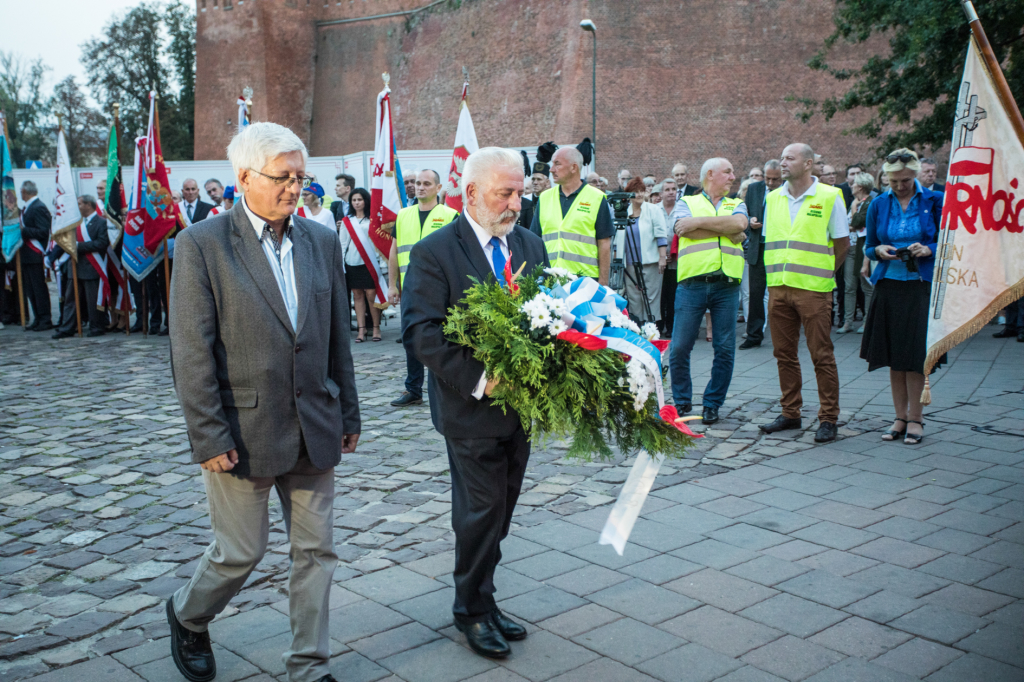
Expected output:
{"points": [[798, 253], [703, 256], [408, 231], [570, 240]]}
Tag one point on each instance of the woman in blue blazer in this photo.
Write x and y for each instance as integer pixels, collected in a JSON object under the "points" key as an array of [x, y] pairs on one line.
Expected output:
{"points": [[902, 231]]}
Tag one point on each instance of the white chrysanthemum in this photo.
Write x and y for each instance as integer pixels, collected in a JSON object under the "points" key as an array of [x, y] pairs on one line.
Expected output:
{"points": [[639, 383], [540, 319], [631, 325], [560, 272], [557, 327], [617, 320], [557, 306], [650, 332]]}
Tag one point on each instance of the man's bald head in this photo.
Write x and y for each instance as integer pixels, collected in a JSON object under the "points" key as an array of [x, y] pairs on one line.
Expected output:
{"points": [[428, 184], [797, 161], [566, 164], [189, 190]]}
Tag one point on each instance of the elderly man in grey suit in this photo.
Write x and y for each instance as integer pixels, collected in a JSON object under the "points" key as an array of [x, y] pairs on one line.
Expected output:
{"points": [[263, 371]]}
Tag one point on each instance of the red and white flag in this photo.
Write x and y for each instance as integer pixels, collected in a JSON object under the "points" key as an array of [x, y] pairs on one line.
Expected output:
{"points": [[979, 266], [385, 195], [465, 144]]}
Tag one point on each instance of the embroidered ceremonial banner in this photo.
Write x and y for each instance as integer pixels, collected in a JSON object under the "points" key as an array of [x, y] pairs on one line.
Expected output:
{"points": [[165, 216], [386, 188], [465, 144], [11, 221], [979, 267], [66, 216], [137, 259]]}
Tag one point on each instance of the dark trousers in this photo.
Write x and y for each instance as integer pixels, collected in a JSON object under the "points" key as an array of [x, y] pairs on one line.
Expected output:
{"points": [[758, 281], [487, 475], [88, 291], [10, 311], [34, 281], [413, 374], [1015, 316], [839, 297], [155, 297], [668, 301]]}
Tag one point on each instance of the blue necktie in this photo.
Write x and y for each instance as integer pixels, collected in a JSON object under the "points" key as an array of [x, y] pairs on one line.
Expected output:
{"points": [[498, 259]]}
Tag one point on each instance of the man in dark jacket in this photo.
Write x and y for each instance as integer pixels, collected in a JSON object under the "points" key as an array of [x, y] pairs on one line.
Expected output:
{"points": [[89, 282], [487, 447], [35, 232], [754, 252]]}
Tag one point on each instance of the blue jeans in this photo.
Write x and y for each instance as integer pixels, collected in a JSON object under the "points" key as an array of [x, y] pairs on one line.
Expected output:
{"points": [[692, 299], [414, 374]]}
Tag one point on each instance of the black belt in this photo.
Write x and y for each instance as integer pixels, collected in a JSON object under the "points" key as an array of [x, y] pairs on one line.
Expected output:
{"points": [[710, 279]]}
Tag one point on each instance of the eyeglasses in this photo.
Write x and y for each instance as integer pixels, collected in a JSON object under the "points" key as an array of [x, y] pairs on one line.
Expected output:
{"points": [[905, 157], [287, 180]]}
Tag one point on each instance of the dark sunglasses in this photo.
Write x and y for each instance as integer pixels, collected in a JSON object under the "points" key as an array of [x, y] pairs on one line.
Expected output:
{"points": [[902, 158]]}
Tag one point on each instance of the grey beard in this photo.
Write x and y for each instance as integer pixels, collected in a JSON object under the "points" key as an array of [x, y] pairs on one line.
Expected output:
{"points": [[493, 223]]}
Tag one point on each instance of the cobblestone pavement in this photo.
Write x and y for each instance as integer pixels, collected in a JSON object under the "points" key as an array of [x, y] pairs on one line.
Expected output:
{"points": [[756, 558]]}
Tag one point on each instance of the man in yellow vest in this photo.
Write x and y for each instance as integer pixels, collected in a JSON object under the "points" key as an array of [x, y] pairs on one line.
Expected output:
{"points": [[711, 229], [413, 224], [806, 234], [574, 220]]}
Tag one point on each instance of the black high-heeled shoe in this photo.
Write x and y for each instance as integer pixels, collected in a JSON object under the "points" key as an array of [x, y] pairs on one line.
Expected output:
{"points": [[914, 438], [894, 435]]}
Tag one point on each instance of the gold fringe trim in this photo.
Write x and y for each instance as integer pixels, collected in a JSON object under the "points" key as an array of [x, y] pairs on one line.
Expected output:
{"points": [[966, 331]]}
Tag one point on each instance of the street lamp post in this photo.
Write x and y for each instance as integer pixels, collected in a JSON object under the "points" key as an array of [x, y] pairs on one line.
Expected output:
{"points": [[588, 25]]}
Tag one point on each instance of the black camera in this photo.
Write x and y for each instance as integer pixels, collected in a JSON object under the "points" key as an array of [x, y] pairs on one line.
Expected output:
{"points": [[907, 258], [619, 201]]}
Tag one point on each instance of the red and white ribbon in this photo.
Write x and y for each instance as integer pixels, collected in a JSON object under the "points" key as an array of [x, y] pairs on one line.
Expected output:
{"points": [[368, 253]]}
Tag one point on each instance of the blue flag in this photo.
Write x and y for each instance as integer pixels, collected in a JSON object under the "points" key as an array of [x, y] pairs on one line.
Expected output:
{"points": [[11, 225]]}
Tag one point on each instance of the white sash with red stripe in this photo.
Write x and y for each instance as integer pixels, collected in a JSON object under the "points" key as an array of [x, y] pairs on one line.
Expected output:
{"points": [[369, 255], [99, 264]]}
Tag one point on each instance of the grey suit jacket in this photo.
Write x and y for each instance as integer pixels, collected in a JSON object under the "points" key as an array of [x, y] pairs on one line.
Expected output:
{"points": [[245, 379]]}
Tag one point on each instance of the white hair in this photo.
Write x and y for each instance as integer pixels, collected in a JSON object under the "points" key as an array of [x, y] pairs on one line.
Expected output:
{"points": [[484, 161], [710, 165], [258, 143], [575, 156]]}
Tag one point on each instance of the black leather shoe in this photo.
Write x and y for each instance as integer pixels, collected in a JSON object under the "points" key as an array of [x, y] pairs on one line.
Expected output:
{"points": [[31, 327], [1020, 337], [685, 408], [62, 335], [781, 424], [94, 332], [509, 629], [327, 678], [164, 332], [710, 415], [748, 344], [826, 432], [136, 328], [1004, 334], [485, 638], [191, 651], [43, 326], [406, 399]]}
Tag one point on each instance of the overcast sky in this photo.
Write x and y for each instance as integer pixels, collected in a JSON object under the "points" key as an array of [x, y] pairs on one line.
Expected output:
{"points": [[55, 30]]}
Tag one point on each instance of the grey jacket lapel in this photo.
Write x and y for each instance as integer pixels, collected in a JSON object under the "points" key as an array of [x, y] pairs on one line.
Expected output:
{"points": [[302, 257], [250, 252]]}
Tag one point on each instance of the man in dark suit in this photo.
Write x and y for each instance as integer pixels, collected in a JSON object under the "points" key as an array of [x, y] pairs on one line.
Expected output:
{"points": [[847, 187], [487, 448], [680, 173], [35, 232], [754, 252], [88, 277], [929, 176], [263, 371]]}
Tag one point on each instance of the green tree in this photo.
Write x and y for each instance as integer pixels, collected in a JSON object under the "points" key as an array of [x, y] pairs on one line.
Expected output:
{"points": [[132, 56], [911, 91], [22, 99], [85, 129]]}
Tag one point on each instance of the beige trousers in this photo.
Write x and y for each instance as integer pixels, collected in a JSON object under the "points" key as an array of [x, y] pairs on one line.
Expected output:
{"points": [[240, 520]]}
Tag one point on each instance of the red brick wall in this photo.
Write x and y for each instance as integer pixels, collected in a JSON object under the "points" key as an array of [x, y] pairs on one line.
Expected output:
{"points": [[676, 80]]}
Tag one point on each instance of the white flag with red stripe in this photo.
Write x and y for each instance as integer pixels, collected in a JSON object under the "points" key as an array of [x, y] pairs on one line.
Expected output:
{"points": [[385, 195], [979, 265], [465, 144]]}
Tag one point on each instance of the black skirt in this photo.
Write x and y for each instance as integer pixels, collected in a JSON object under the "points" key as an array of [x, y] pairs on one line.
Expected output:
{"points": [[896, 330], [358, 277]]}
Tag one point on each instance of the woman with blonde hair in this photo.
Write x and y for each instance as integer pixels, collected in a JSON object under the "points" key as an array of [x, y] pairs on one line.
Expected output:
{"points": [[902, 235]]}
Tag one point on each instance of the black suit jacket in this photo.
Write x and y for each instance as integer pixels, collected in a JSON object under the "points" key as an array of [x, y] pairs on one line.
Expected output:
{"points": [[688, 190], [440, 266], [99, 240], [35, 225], [526, 214], [756, 192], [847, 193], [201, 211]]}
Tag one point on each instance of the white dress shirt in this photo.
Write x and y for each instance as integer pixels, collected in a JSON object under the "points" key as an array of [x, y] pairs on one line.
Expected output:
{"points": [[838, 222], [183, 206], [283, 268], [485, 243]]}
